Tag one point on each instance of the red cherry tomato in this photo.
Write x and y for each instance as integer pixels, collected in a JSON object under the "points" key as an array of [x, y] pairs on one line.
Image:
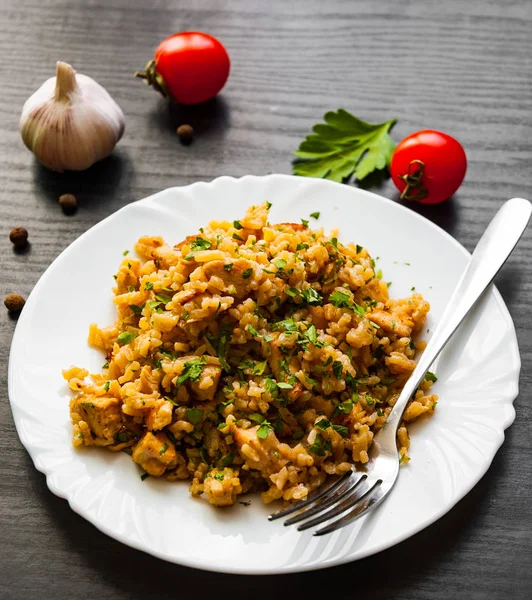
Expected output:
{"points": [[191, 67], [428, 166]]}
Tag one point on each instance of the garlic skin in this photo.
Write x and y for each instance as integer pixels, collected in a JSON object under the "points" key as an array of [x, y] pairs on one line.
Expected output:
{"points": [[71, 121]]}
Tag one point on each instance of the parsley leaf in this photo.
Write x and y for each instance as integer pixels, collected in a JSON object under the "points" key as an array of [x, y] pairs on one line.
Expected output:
{"points": [[284, 386], [343, 146], [194, 415], [228, 267], [431, 377], [163, 449], [238, 225], [264, 429], [107, 386], [315, 215], [126, 338], [340, 300], [197, 245], [136, 309], [280, 263], [227, 460], [338, 369], [311, 297], [247, 273], [192, 371]]}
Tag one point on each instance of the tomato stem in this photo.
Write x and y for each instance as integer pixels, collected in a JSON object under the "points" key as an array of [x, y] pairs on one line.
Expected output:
{"points": [[414, 189], [154, 78]]}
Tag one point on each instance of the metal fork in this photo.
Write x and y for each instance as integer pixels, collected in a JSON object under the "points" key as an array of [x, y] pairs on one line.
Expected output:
{"points": [[356, 493]]}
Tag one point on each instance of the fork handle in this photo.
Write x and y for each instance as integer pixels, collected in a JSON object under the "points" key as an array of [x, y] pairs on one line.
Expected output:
{"points": [[492, 250]]}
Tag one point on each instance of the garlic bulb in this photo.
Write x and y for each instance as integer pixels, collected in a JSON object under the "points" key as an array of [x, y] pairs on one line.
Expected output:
{"points": [[71, 121]]}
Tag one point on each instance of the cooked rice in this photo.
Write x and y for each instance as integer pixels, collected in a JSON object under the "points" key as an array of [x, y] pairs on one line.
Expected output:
{"points": [[249, 357]]}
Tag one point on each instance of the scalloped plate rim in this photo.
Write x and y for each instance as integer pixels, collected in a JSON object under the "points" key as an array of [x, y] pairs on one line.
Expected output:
{"points": [[508, 404]]}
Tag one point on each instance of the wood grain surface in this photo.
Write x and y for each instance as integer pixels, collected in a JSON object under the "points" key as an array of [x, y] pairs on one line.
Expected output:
{"points": [[464, 67]]}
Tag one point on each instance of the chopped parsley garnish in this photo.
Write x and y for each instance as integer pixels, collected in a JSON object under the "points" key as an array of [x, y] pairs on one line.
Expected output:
{"points": [[238, 225], [320, 446], [163, 298], [191, 371], [412, 288], [154, 304], [311, 334], [343, 431], [280, 263], [305, 222], [324, 424], [268, 205], [264, 429], [126, 337], [338, 369], [284, 386], [87, 404], [315, 215], [227, 460], [197, 245], [136, 309], [311, 296], [148, 285], [125, 253], [194, 415], [302, 247], [340, 300], [107, 386], [430, 377], [380, 413], [245, 502], [237, 237], [256, 418], [253, 331], [144, 476], [247, 273], [106, 365], [259, 368], [163, 449], [219, 476], [228, 267], [359, 249]]}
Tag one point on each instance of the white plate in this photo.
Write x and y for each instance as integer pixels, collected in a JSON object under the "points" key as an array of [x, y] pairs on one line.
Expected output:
{"points": [[478, 378]]}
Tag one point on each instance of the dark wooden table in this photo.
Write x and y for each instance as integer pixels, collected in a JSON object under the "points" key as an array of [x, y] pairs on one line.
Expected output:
{"points": [[462, 67]]}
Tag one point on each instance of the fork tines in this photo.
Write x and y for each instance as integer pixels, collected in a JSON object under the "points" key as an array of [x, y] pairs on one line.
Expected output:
{"points": [[347, 493]]}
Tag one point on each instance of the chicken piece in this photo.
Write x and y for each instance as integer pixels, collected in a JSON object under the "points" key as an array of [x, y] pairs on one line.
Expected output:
{"points": [[102, 415], [159, 415], [207, 385], [222, 487], [180, 471], [235, 282], [260, 454], [390, 322], [155, 453]]}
